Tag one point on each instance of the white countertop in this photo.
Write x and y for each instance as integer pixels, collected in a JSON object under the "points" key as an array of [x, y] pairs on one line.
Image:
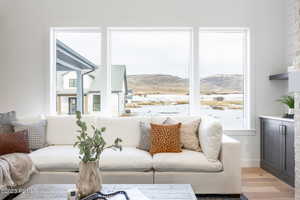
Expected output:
{"points": [[276, 117]]}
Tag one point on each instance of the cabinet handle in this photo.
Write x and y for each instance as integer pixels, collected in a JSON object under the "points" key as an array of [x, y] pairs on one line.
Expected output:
{"points": [[284, 130], [284, 143]]}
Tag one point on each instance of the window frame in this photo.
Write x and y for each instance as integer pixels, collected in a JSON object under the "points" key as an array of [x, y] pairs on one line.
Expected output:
{"points": [[194, 68], [190, 65], [72, 82], [52, 81], [93, 106], [248, 124]]}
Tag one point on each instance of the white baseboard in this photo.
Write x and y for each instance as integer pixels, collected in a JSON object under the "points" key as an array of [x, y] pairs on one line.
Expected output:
{"points": [[250, 163]]}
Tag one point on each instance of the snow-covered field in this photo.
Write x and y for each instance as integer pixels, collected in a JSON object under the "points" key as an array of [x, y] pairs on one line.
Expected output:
{"points": [[231, 118], [170, 97]]}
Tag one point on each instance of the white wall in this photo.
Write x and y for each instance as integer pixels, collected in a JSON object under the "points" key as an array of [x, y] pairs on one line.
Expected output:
{"points": [[24, 44], [87, 80], [66, 80]]}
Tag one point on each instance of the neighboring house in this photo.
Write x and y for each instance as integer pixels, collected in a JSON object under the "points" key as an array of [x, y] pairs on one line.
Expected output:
{"points": [[66, 93], [119, 88], [69, 91]]}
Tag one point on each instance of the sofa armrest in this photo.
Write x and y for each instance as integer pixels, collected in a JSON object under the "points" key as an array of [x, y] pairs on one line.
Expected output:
{"points": [[231, 156]]}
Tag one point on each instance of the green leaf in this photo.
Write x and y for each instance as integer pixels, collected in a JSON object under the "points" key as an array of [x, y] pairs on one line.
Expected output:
{"points": [[78, 138], [78, 115], [91, 147], [287, 100]]}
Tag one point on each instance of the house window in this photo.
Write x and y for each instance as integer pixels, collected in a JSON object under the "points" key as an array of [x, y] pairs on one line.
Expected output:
{"points": [[223, 75], [72, 83], [150, 70], [96, 103]]}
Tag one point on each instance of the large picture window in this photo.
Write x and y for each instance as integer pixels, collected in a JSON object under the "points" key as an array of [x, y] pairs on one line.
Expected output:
{"points": [[156, 63], [222, 67], [77, 70], [153, 71]]}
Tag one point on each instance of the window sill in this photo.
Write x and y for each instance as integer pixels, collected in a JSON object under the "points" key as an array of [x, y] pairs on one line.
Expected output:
{"points": [[240, 132]]}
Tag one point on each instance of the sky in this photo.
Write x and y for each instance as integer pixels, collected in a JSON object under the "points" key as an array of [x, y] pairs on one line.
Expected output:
{"points": [[221, 53], [163, 52], [86, 44], [152, 52]]}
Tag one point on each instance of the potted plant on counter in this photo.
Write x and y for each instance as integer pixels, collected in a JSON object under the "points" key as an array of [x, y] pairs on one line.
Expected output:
{"points": [[90, 149], [289, 101]]}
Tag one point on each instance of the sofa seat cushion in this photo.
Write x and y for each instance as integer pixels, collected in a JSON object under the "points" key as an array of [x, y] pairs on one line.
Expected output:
{"points": [[129, 159], [65, 158], [186, 161]]}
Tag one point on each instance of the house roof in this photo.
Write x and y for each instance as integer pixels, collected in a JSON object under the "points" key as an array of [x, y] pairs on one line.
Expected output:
{"points": [[69, 60]]}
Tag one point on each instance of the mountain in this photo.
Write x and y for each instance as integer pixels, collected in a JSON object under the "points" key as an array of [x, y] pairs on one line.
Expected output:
{"points": [[222, 84], [161, 83]]}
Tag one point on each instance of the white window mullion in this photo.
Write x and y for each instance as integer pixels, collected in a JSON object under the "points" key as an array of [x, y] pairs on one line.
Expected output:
{"points": [[106, 88], [52, 85], [247, 76], [195, 74], [223, 52]]}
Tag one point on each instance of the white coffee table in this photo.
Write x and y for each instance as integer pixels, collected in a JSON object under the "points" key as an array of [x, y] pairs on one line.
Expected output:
{"points": [[152, 191]]}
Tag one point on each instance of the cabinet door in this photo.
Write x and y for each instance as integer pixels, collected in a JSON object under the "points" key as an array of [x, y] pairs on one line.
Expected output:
{"points": [[271, 144], [288, 154]]}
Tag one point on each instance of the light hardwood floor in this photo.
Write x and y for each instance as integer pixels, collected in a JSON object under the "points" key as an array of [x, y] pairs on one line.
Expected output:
{"points": [[258, 184]]}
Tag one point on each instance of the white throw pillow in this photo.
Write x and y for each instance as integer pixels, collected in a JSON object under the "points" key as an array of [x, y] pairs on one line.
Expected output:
{"points": [[210, 136]]}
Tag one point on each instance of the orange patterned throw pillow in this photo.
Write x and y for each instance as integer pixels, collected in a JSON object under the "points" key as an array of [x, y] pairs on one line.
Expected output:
{"points": [[165, 138]]}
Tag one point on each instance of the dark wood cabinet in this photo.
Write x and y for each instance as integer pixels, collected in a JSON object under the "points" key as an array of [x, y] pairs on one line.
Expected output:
{"points": [[277, 148]]}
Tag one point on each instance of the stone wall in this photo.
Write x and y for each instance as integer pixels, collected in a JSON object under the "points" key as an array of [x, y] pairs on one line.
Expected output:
{"points": [[294, 25], [291, 27], [297, 146]]}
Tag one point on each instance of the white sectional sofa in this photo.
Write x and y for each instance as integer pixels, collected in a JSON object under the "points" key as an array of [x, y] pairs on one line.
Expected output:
{"points": [[58, 162]]}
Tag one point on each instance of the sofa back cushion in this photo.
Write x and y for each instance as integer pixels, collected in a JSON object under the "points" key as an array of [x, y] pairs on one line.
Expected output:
{"points": [[61, 130], [126, 128]]}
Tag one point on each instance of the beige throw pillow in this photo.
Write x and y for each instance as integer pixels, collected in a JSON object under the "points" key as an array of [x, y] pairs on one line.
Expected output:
{"points": [[188, 133]]}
